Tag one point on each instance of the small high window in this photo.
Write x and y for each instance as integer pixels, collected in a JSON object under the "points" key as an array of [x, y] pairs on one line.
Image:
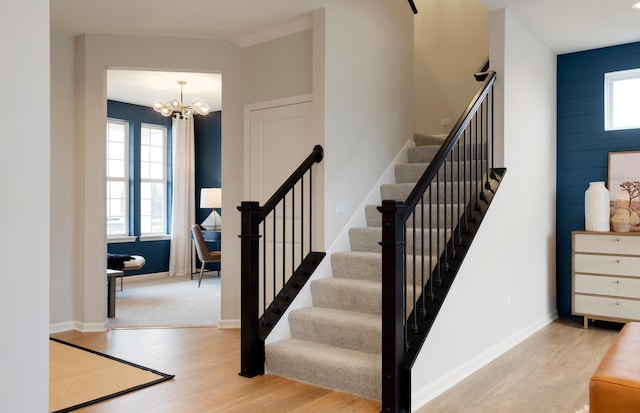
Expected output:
{"points": [[622, 100]]}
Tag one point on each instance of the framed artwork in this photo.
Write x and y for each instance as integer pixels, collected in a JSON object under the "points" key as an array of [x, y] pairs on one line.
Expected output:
{"points": [[624, 180]]}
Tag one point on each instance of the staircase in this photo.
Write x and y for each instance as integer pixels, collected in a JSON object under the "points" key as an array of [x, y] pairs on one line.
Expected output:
{"points": [[336, 343]]}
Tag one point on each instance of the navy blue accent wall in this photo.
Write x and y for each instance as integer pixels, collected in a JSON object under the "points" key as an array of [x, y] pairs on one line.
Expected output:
{"points": [[583, 145], [208, 150]]}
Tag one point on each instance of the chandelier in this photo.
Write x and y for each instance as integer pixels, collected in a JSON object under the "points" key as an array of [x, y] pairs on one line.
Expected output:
{"points": [[177, 107]]}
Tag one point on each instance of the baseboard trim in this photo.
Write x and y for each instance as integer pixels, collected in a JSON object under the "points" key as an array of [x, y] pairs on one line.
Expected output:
{"points": [[78, 326], [229, 324], [424, 395]]}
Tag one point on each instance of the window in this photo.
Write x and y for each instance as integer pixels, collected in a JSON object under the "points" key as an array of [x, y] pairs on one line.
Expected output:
{"points": [[622, 100], [137, 183], [117, 178], [153, 180]]}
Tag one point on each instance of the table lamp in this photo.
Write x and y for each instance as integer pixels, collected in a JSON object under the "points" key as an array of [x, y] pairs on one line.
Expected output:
{"points": [[211, 198]]}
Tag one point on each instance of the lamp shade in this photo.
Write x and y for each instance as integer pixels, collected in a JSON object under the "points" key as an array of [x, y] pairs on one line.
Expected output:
{"points": [[211, 198]]}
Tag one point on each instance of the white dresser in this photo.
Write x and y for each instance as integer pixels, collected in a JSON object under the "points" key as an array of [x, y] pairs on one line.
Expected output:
{"points": [[606, 276]]}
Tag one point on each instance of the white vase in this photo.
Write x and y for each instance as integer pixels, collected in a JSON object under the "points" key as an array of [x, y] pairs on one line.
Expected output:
{"points": [[596, 207]]}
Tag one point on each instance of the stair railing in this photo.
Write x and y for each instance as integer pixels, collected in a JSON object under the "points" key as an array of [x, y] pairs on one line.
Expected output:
{"points": [[413, 7], [276, 259], [426, 236]]}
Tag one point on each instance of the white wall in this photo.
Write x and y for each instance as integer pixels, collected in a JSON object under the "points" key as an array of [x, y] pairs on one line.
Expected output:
{"points": [[279, 68], [24, 205], [368, 79], [451, 43], [93, 55], [62, 178], [505, 290]]}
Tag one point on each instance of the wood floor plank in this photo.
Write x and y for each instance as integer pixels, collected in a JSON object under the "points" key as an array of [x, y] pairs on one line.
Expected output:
{"points": [[549, 372]]}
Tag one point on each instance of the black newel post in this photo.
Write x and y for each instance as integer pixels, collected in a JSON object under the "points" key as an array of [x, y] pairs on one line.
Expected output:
{"points": [[252, 347], [396, 391]]}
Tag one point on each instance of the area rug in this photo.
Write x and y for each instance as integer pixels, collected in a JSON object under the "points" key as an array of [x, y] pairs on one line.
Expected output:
{"points": [[79, 377], [168, 302]]}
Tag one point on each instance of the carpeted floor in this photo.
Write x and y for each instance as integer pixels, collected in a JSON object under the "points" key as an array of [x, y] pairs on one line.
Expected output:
{"points": [[79, 377], [168, 302]]}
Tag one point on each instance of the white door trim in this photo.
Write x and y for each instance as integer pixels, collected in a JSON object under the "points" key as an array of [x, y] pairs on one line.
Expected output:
{"points": [[250, 107]]}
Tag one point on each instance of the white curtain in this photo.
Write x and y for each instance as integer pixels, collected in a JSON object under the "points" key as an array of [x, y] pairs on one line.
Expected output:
{"points": [[183, 200]]}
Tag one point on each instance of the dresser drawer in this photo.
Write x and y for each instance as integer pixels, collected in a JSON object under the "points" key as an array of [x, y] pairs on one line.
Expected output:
{"points": [[614, 286], [607, 244], [606, 264], [606, 307]]}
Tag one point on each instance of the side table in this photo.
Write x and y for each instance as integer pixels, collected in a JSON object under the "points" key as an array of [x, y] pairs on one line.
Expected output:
{"points": [[111, 291]]}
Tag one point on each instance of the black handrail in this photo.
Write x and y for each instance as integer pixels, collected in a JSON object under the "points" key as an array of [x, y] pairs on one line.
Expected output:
{"points": [[453, 137], [288, 271], [315, 157], [413, 7], [426, 237]]}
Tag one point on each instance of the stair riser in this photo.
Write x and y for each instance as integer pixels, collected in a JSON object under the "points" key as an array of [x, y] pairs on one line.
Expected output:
{"points": [[345, 266], [422, 154], [411, 173], [360, 377], [438, 216], [366, 298], [368, 239], [438, 194], [355, 334]]}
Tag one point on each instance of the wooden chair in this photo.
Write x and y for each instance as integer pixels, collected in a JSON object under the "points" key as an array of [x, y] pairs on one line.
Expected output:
{"points": [[204, 254]]}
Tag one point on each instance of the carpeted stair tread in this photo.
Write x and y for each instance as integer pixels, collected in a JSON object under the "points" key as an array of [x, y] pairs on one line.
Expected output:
{"points": [[363, 265], [402, 191], [374, 217], [421, 139], [346, 329], [412, 172], [422, 154], [347, 294], [345, 370], [368, 238], [336, 343]]}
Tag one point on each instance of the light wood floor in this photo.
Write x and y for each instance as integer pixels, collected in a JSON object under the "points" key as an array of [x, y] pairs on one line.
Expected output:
{"points": [[548, 373]]}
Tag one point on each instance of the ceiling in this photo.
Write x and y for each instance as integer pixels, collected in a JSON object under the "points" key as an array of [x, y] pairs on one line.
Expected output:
{"points": [[564, 25], [573, 25], [243, 22], [144, 87]]}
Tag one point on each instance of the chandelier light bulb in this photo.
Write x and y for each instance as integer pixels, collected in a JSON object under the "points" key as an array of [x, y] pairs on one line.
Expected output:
{"points": [[176, 106], [202, 109], [166, 111], [158, 104]]}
